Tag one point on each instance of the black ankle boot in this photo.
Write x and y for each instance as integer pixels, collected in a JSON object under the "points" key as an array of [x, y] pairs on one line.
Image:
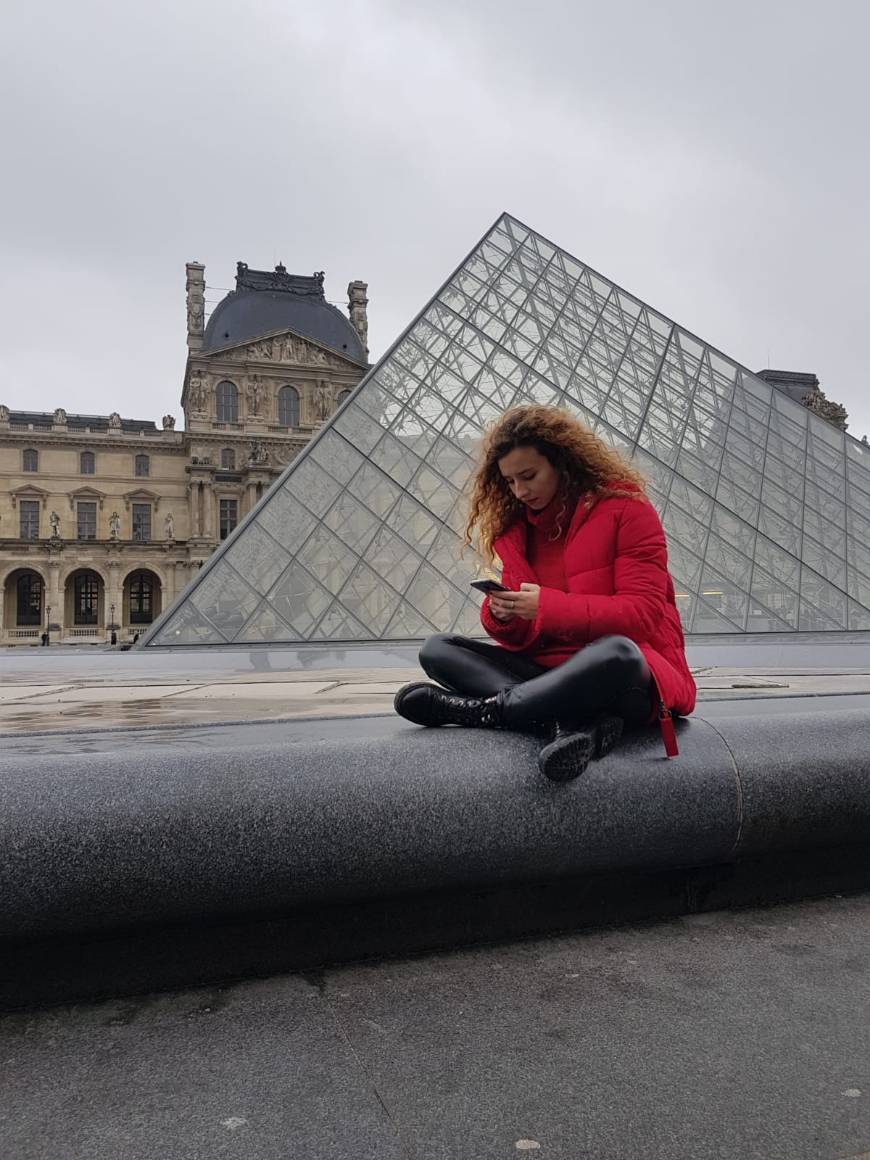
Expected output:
{"points": [[570, 750], [426, 704]]}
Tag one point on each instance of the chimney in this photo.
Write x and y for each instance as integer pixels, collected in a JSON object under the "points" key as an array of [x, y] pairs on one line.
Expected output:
{"points": [[357, 301], [195, 305]]}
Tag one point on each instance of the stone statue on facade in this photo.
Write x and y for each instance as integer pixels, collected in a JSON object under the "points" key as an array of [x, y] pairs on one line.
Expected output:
{"points": [[4, 413], [819, 403], [258, 455], [254, 395], [195, 316], [196, 393], [59, 417], [262, 349], [169, 526], [54, 521], [195, 304], [292, 349], [322, 401], [168, 422], [114, 421], [114, 526]]}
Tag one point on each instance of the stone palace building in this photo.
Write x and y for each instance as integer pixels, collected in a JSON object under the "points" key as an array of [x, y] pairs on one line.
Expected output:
{"points": [[104, 519]]}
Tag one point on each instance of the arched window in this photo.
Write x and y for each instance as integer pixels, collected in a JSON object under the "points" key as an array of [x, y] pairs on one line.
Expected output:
{"points": [[288, 407], [87, 463], [143, 465], [341, 396], [86, 598], [227, 402], [141, 598], [29, 600], [228, 459], [31, 460]]}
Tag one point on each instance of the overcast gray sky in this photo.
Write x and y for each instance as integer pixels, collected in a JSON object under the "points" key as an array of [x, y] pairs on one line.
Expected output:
{"points": [[709, 157]]}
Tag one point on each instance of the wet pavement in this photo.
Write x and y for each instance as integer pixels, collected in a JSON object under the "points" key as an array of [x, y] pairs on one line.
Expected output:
{"points": [[75, 689]]}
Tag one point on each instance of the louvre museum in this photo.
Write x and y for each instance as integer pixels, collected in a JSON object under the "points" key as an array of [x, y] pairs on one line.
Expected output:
{"points": [[765, 501], [103, 519]]}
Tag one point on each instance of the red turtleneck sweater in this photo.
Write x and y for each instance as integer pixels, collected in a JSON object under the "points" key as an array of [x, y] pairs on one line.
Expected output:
{"points": [[546, 554]]}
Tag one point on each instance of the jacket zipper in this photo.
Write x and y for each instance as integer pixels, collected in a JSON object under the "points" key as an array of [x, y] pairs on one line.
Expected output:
{"points": [[666, 725], [669, 735]]}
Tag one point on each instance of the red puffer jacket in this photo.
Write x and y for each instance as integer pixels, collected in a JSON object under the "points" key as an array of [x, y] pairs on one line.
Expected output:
{"points": [[616, 566]]}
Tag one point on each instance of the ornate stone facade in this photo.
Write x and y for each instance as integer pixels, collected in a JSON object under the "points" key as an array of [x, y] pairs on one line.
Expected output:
{"points": [[103, 520]]}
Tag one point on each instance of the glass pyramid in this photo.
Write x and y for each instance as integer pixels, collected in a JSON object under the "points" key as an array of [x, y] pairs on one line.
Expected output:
{"points": [[766, 506]]}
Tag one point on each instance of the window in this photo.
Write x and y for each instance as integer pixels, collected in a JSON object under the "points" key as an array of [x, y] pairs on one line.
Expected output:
{"points": [[28, 517], [141, 598], [86, 598], [227, 402], [29, 600], [31, 460], [228, 459], [229, 516], [143, 465], [87, 463], [341, 396], [86, 521], [288, 407], [142, 522]]}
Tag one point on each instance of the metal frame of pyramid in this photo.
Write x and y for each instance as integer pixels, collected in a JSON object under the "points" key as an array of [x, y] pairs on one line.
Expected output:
{"points": [[766, 506]]}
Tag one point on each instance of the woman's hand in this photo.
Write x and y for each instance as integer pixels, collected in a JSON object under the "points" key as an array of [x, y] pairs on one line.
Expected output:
{"points": [[523, 604]]}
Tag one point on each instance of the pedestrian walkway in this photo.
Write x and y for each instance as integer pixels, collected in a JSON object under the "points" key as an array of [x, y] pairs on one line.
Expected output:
{"points": [[74, 690]]}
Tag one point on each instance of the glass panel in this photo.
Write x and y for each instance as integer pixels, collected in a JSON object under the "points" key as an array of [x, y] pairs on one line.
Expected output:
{"points": [[224, 598], [773, 605], [299, 599], [338, 624], [824, 561], [327, 558], [369, 599], [777, 563], [266, 626], [413, 523], [336, 456], [779, 529], [820, 597], [312, 486], [188, 626], [728, 563], [258, 558], [357, 427], [351, 522], [736, 499]]}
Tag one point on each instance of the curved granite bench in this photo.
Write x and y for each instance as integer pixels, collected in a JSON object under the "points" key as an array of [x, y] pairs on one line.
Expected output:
{"points": [[166, 839]]}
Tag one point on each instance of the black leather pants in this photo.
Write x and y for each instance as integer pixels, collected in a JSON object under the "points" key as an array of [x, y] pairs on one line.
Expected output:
{"points": [[608, 676]]}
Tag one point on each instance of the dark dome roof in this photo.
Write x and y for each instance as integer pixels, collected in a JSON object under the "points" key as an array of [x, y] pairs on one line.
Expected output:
{"points": [[266, 301]]}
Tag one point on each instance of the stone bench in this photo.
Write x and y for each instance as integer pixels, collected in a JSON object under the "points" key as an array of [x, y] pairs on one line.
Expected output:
{"points": [[305, 851]]}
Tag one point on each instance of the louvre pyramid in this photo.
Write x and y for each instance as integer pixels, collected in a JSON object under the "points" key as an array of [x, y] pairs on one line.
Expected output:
{"points": [[766, 506]]}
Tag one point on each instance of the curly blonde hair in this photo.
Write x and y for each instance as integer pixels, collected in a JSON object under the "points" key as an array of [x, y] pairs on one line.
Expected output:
{"points": [[587, 465]]}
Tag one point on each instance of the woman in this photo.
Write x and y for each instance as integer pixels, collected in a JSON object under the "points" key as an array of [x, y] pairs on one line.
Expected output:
{"points": [[589, 637]]}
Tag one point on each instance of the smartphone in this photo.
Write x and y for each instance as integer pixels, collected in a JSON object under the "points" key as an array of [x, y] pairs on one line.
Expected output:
{"points": [[488, 586]]}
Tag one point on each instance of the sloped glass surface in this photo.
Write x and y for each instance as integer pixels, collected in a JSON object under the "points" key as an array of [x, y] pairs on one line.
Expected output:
{"points": [[766, 506]]}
